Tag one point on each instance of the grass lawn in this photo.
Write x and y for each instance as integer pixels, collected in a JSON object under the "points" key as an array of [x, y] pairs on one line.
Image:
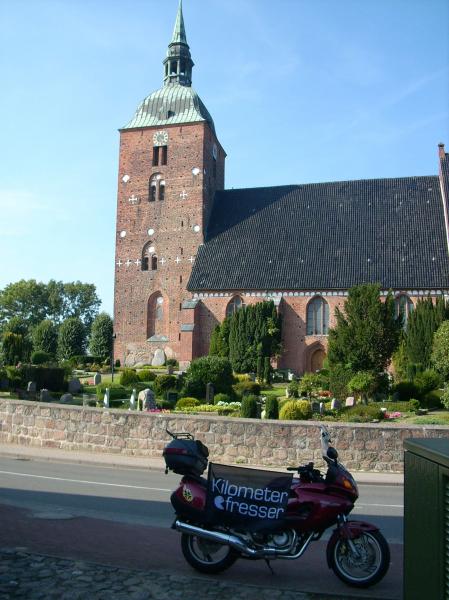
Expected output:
{"points": [[277, 391], [437, 417]]}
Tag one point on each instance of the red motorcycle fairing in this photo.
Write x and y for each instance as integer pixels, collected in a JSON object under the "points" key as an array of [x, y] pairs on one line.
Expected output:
{"points": [[312, 508], [189, 498]]}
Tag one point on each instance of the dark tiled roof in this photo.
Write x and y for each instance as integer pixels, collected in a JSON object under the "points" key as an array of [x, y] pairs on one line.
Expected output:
{"points": [[326, 236]]}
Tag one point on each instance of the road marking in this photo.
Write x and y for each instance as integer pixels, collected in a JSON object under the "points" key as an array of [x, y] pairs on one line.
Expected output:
{"points": [[120, 485], [381, 505]]}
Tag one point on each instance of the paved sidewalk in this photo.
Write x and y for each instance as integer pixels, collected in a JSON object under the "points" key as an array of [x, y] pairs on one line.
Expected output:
{"points": [[41, 577], [153, 463]]}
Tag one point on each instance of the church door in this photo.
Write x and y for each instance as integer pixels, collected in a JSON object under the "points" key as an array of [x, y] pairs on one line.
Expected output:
{"points": [[316, 360]]}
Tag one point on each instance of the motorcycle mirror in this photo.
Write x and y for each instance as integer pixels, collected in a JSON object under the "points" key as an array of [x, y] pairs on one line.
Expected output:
{"points": [[332, 453]]}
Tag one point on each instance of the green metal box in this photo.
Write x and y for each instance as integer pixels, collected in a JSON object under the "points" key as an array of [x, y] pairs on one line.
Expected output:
{"points": [[426, 519]]}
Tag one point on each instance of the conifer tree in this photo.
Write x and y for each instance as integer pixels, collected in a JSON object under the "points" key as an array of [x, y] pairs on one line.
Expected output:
{"points": [[421, 326]]}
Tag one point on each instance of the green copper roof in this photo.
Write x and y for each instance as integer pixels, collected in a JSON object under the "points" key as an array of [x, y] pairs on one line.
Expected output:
{"points": [[171, 105], [179, 32]]}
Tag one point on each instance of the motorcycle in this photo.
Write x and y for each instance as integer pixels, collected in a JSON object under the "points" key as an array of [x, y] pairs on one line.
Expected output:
{"points": [[357, 552]]}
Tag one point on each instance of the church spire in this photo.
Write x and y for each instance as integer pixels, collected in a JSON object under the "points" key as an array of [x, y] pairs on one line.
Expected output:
{"points": [[178, 64]]}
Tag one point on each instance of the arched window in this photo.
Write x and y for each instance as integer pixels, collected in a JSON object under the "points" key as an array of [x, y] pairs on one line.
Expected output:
{"points": [[147, 252], [317, 317], [235, 304], [404, 306], [157, 318], [154, 263], [156, 188]]}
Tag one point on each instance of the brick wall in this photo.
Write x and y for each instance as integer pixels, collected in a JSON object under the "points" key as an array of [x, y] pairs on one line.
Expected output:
{"points": [[365, 447]]}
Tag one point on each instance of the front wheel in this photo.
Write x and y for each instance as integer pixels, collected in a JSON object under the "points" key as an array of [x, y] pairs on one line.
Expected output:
{"points": [[364, 569], [206, 556]]}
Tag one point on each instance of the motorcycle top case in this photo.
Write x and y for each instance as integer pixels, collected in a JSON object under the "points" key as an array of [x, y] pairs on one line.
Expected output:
{"points": [[186, 457], [239, 496]]}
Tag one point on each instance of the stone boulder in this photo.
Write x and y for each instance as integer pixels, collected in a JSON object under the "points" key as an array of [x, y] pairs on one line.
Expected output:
{"points": [[158, 358], [66, 399]]}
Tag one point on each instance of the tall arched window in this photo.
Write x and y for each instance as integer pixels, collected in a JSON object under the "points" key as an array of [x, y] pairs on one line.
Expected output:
{"points": [[317, 317], [235, 304], [404, 306], [157, 317], [156, 188]]}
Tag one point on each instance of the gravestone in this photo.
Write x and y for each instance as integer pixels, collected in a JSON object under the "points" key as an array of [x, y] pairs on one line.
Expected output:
{"points": [[350, 401], [66, 399], [170, 369], [74, 386], [149, 402], [158, 358], [97, 378], [322, 408], [106, 398], [31, 387], [45, 396], [209, 393], [172, 397], [290, 376], [315, 407], [335, 404], [133, 401], [4, 384]]}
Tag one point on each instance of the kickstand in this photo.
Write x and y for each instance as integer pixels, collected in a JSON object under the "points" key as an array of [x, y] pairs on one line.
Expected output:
{"points": [[269, 566]]}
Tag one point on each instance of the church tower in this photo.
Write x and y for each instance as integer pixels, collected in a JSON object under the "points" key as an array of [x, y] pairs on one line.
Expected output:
{"points": [[170, 166]]}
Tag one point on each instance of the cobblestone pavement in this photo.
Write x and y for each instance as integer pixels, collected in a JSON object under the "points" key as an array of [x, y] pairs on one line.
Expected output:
{"points": [[38, 577]]}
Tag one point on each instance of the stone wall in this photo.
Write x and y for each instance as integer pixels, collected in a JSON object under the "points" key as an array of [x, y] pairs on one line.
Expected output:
{"points": [[364, 447]]}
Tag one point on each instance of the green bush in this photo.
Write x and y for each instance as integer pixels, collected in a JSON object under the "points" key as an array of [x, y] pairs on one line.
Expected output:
{"points": [[40, 357], [222, 398], [117, 363], [295, 410], [250, 407], [339, 377], [271, 408], [427, 381], [172, 362], [405, 390], [362, 413], [164, 404], [445, 397], [146, 375], [185, 402], [245, 388], [71, 338], [116, 391], [414, 404], [128, 377], [208, 369], [164, 383], [83, 359], [432, 399], [411, 405], [293, 389]]}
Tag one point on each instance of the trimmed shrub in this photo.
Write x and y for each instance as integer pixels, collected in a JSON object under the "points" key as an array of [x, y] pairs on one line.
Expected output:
{"points": [[296, 410], [432, 399], [242, 377], [164, 404], [171, 362], [128, 377], [184, 402], [405, 390], [362, 413], [405, 406], [250, 407], [40, 357], [146, 375], [84, 359], [245, 388], [445, 397], [271, 408], [50, 378], [45, 337], [164, 383], [222, 398], [71, 338], [116, 391]]}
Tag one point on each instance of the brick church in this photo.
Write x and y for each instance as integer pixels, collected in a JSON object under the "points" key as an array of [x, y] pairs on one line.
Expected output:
{"points": [[189, 252]]}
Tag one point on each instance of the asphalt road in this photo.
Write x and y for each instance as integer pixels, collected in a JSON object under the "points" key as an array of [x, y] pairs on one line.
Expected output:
{"points": [[137, 496]]}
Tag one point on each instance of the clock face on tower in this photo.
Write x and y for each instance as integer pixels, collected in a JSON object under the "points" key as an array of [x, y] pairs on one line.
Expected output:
{"points": [[160, 138]]}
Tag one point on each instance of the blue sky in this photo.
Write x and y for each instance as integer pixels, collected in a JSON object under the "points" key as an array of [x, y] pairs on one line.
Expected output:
{"points": [[300, 91]]}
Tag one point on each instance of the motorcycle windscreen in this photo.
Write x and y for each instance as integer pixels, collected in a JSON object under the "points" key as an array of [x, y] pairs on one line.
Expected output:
{"points": [[236, 495]]}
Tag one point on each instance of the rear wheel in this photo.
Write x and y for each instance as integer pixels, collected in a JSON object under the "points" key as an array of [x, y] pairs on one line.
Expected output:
{"points": [[206, 556], [364, 569]]}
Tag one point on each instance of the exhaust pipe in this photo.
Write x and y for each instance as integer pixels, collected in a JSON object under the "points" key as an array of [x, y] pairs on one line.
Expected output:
{"points": [[238, 544], [217, 536]]}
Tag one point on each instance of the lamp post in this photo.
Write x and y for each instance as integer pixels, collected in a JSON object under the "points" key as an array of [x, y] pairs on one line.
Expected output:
{"points": [[114, 335]]}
